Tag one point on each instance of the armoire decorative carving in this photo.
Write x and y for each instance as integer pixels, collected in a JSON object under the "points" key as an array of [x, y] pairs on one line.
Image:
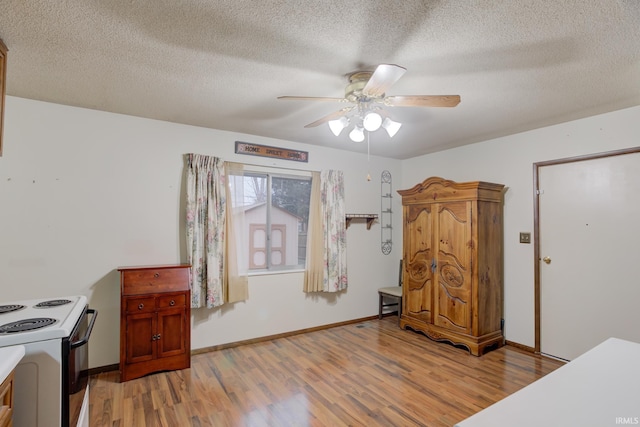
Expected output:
{"points": [[453, 262]]}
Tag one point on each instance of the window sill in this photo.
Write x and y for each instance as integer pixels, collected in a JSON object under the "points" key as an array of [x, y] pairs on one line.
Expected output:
{"points": [[272, 272]]}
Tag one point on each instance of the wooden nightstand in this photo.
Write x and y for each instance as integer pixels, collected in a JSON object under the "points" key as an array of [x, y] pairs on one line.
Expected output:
{"points": [[155, 319]]}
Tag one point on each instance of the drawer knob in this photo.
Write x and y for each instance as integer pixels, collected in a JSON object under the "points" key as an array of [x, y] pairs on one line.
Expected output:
{"points": [[140, 306], [156, 275], [172, 303]]}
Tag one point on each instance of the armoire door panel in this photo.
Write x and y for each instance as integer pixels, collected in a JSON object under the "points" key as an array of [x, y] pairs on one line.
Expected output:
{"points": [[419, 285], [454, 261], [454, 232], [419, 258], [453, 312], [454, 279], [419, 307], [419, 226], [453, 296]]}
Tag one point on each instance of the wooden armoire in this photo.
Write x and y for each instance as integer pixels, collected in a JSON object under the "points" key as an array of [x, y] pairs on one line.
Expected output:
{"points": [[453, 262]]}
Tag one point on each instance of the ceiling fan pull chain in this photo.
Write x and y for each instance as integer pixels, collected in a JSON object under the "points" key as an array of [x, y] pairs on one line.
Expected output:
{"points": [[368, 159]]}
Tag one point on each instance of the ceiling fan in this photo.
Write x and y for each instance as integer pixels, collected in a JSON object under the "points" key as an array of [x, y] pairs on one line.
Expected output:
{"points": [[367, 92]]}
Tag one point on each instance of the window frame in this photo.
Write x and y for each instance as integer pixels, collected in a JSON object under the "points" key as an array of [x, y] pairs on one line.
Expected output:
{"points": [[270, 173]]}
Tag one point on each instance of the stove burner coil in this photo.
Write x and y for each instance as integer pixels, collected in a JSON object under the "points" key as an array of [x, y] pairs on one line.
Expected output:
{"points": [[52, 303], [10, 308], [26, 325]]}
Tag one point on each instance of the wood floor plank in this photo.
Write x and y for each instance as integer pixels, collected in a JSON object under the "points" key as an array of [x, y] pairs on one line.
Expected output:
{"points": [[366, 374]]}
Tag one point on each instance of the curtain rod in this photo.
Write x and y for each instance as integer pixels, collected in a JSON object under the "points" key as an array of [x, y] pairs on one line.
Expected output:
{"points": [[278, 167]]}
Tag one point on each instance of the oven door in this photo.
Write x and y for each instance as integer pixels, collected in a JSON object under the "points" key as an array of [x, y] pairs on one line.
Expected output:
{"points": [[75, 371]]}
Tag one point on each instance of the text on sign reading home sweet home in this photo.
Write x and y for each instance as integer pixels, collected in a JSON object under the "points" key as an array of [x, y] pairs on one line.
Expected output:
{"points": [[267, 151]]}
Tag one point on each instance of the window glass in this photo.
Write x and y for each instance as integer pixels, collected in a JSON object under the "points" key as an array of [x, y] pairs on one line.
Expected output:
{"points": [[276, 215]]}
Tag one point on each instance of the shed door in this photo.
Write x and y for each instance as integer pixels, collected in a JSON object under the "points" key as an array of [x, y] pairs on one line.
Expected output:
{"points": [[258, 245]]}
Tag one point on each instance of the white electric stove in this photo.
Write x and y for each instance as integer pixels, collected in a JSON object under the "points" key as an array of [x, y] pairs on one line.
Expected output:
{"points": [[51, 381]]}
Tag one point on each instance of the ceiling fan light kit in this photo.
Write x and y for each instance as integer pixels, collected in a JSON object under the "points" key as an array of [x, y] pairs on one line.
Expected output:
{"points": [[338, 125], [357, 134], [391, 127], [372, 121], [367, 90]]}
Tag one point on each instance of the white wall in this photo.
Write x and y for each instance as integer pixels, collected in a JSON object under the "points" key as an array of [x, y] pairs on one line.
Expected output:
{"points": [[509, 161], [83, 192]]}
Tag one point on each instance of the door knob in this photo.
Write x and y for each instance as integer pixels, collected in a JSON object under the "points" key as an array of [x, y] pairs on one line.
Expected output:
{"points": [[547, 260]]}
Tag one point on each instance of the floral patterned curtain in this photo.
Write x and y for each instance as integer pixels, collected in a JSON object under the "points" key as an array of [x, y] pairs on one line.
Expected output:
{"points": [[327, 223], [206, 206]]}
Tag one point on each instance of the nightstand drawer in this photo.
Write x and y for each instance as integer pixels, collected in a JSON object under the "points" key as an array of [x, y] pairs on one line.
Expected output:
{"points": [[154, 280], [140, 305], [178, 300]]}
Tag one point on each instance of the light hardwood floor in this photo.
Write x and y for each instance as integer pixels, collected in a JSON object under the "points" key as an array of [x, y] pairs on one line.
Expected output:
{"points": [[364, 374]]}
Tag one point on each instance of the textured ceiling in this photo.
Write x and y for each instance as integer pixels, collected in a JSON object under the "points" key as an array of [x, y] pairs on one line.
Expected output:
{"points": [[517, 65]]}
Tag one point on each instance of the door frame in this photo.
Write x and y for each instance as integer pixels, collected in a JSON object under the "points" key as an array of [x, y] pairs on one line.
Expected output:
{"points": [[536, 224]]}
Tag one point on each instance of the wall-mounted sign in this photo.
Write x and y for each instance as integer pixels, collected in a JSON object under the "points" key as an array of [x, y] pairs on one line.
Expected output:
{"points": [[267, 151]]}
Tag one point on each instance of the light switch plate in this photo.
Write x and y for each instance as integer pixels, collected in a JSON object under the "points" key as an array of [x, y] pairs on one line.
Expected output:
{"points": [[525, 237]]}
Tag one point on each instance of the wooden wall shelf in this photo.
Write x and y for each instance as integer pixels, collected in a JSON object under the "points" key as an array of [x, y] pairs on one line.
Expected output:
{"points": [[369, 218]]}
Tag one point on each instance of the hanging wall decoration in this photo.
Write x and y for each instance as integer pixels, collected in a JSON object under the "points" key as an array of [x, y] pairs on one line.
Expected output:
{"points": [[268, 151], [385, 212]]}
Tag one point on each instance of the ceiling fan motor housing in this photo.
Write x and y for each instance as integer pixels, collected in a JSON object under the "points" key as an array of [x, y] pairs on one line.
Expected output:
{"points": [[357, 82]]}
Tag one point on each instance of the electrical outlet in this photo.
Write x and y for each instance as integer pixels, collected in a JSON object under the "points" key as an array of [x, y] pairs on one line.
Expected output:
{"points": [[525, 237]]}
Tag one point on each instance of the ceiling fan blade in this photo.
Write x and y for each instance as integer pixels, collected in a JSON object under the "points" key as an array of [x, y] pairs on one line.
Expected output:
{"points": [[423, 101], [332, 116], [311, 98], [382, 79]]}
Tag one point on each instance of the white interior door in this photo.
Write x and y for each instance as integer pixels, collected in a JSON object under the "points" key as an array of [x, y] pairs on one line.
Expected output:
{"points": [[590, 231]]}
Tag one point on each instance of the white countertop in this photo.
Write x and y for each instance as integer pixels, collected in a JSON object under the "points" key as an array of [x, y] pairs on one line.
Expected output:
{"points": [[599, 388], [9, 359]]}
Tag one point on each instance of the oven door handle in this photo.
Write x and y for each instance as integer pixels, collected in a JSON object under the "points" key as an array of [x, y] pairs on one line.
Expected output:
{"points": [[85, 339]]}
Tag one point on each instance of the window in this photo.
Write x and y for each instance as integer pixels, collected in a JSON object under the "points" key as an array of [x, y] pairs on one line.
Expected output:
{"points": [[276, 215]]}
